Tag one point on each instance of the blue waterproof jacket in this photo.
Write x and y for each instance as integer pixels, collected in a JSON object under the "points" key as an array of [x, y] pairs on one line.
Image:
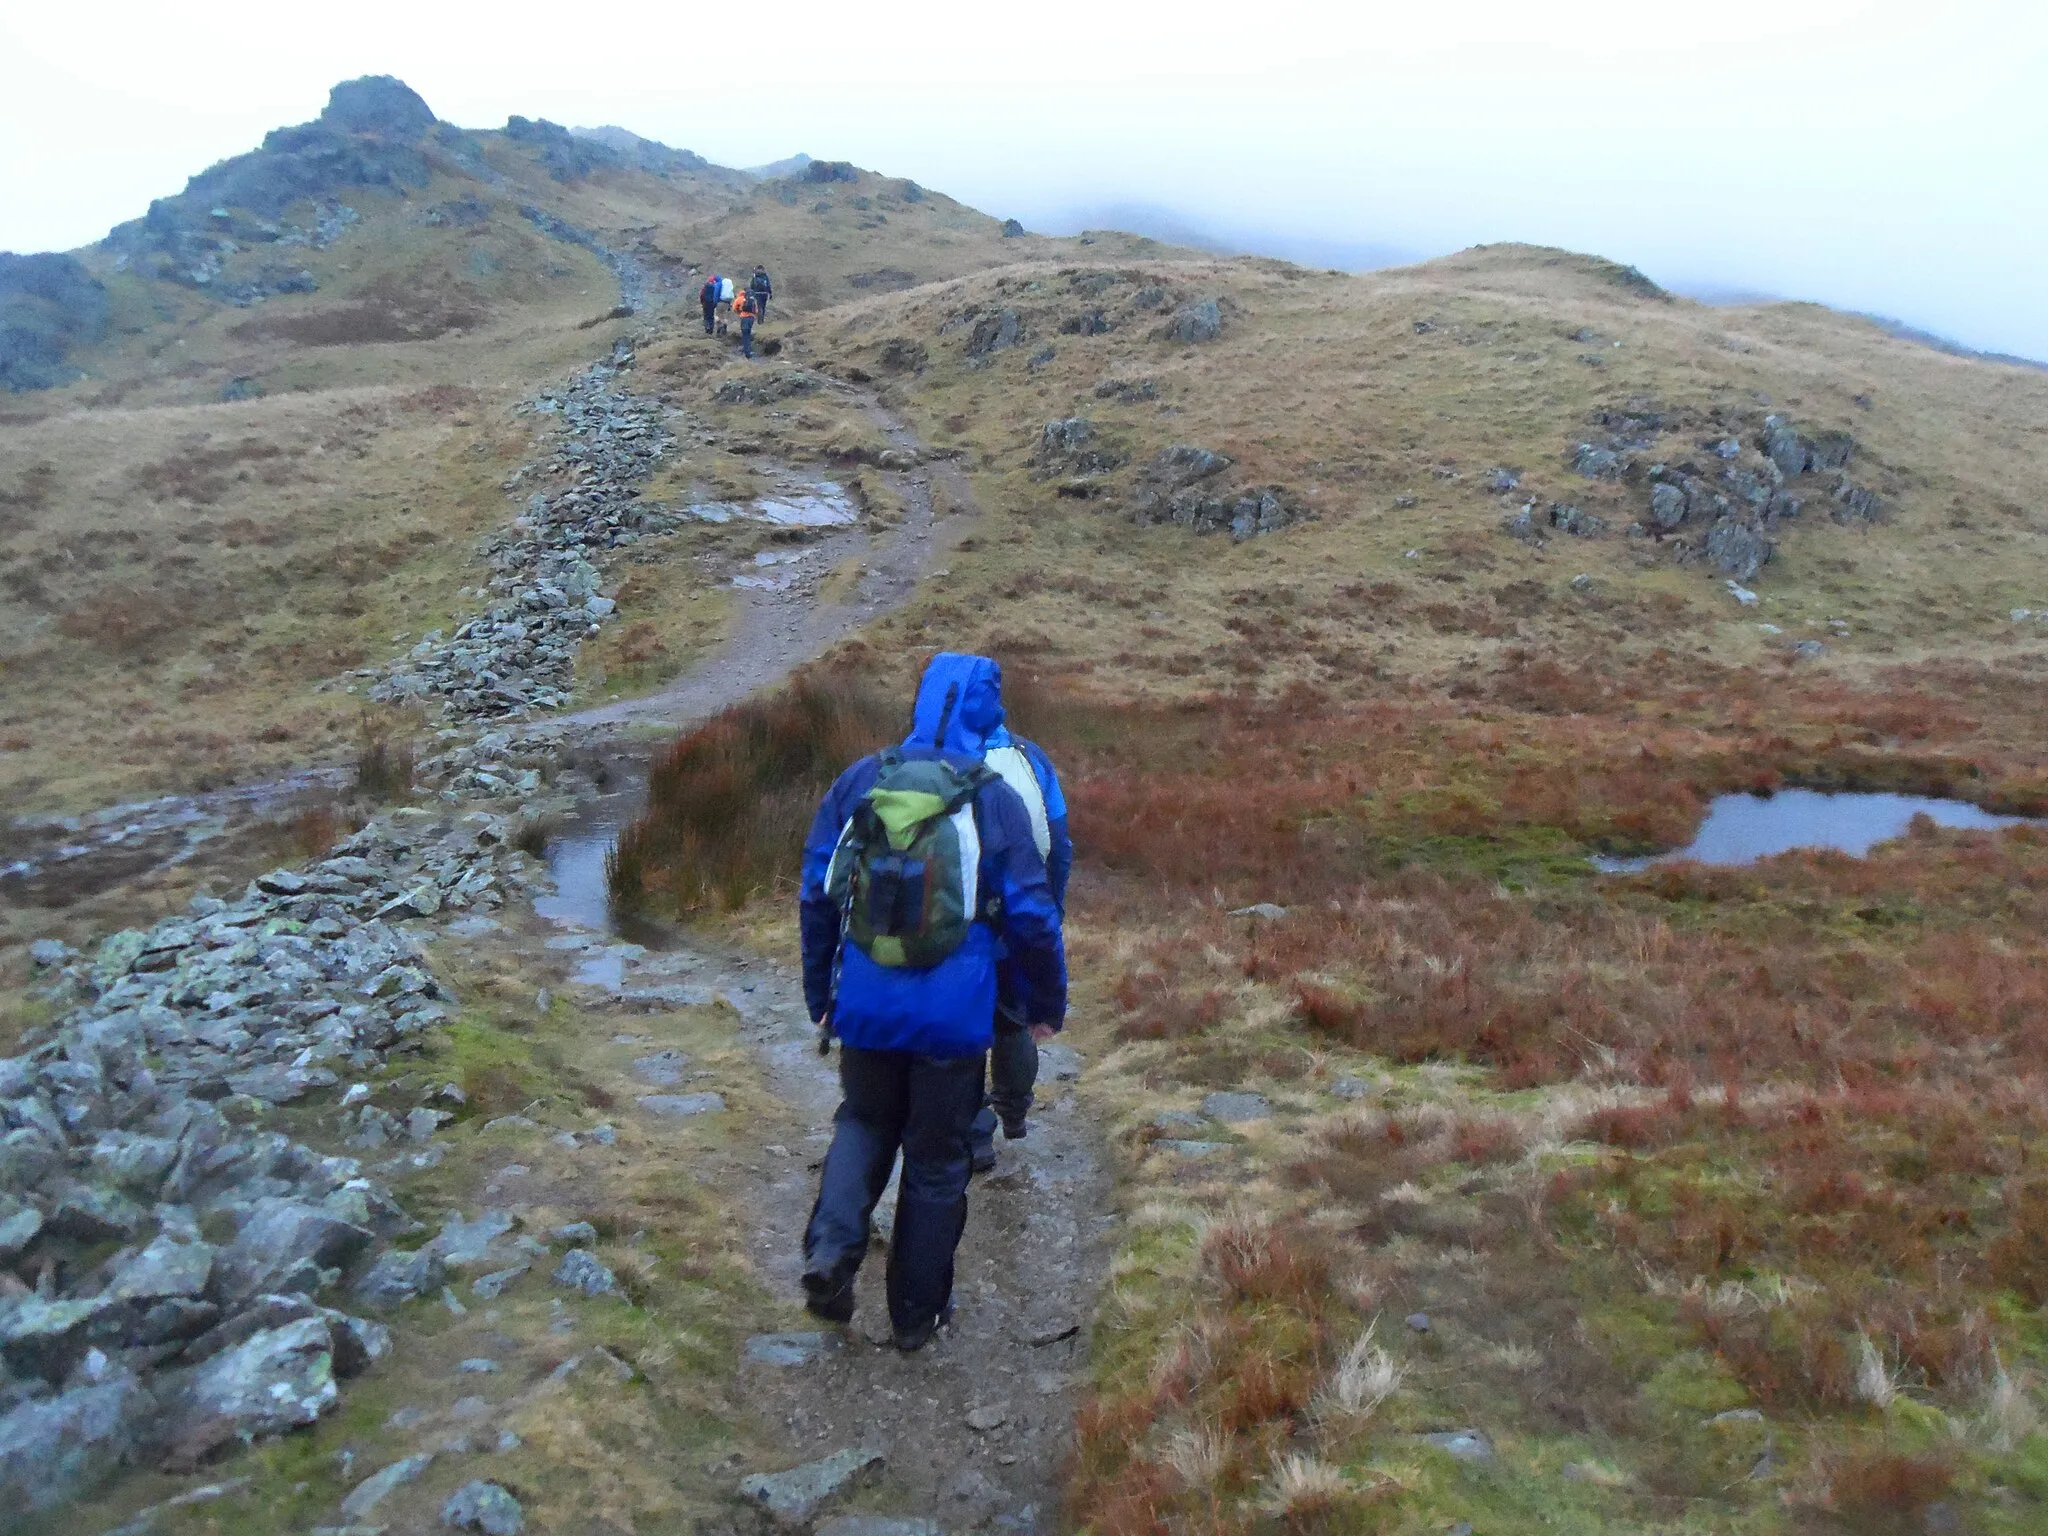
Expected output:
{"points": [[948, 1009]]}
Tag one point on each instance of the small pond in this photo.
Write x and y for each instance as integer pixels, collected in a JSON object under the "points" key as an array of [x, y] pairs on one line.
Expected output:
{"points": [[1740, 829]]}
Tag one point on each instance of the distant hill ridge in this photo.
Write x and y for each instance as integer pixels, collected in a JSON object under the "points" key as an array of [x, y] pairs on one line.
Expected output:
{"points": [[375, 132]]}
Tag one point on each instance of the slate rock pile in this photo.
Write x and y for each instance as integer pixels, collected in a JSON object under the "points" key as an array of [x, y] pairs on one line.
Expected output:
{"points": [[161, 1256], [497, 763], [1719, 497], [637, 282], [520, 655]]}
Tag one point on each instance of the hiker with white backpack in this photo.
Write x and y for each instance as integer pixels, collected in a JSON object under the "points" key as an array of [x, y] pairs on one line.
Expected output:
{"points": [[921, 874], [1013, 1057]]}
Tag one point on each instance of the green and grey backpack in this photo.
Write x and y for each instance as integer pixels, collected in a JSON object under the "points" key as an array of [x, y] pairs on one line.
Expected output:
{"points": [[906, 873]]}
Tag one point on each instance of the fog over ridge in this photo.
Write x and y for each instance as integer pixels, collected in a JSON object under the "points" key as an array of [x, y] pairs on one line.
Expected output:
{"points": [[1867, 154]]}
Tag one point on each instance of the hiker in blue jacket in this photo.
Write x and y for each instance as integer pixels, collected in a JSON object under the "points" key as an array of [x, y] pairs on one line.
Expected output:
{"points": [[1013, 1058], [913, 1036]]}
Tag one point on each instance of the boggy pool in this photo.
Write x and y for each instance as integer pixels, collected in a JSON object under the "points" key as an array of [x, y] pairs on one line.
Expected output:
{"points": [[1740, 829]]}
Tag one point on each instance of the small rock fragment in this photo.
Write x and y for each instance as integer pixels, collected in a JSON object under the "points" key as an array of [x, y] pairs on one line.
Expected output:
{"points": [[371, 1491]]}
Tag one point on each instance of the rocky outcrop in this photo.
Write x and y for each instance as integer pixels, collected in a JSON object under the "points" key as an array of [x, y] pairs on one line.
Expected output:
{"points": [[995, 333], [370, 135], [1177, 486], [1719, 497], [564, 155], [1072, 446], [1198, 322], [49, 306], [378, 105], [649, 155]]}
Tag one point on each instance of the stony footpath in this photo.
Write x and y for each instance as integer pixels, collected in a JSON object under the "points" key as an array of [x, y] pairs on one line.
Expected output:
{"points": [[520, 654], [160, 1251]]}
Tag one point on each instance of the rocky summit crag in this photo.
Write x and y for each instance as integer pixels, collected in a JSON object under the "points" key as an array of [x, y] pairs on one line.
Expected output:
{"points": [[160, 1252]]}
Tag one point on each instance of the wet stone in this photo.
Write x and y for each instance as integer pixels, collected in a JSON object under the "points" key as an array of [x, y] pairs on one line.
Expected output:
{"points": [[664, 1069], [789, 1349], [682, 1106], [1462, 1444]]}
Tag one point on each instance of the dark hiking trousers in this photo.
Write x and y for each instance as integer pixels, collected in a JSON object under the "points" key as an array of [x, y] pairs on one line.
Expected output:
{"points": [[1012, 1074], [760, 303], [747, 334], [922, 1105], [710, 313]]}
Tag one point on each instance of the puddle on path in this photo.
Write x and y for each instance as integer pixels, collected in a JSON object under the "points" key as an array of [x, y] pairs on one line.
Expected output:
{"points": [[1740, 829], [813, 504], [578, 852]]}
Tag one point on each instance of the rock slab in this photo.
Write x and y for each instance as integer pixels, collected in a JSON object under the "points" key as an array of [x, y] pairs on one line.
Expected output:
{"points": [[792, 1498]]}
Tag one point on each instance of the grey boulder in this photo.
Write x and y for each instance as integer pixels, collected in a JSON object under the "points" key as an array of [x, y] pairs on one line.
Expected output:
{"points": [[60, 1447], [463, 1244], [580, 1271], [166, 1268], [279, 1379], [482, 1506], [286, 1245], [45, 1338], [792, 1498], [398, 1276], [1200, 321]]}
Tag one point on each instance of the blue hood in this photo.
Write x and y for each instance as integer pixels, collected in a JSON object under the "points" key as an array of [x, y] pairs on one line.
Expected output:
{"points": [[966, 694]]}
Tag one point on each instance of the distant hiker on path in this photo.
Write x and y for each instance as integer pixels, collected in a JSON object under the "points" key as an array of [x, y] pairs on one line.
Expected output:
{"points": [[708, 297], [1013, 1058], [761, 289], [743, 311], [921, 872]]}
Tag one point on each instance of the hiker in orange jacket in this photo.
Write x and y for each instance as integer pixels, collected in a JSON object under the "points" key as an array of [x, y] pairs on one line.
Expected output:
{"points": [[743, 310]]}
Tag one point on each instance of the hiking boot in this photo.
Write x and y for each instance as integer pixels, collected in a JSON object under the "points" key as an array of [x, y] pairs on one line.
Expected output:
{"points": [[828, 1296], [911, 1340], [1014, 1130], [982, 1159]]}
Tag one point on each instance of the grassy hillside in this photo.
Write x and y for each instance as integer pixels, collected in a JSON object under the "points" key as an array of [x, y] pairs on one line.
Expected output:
{"points": [[238, 502], [1382, 407], [1695, 1200]]}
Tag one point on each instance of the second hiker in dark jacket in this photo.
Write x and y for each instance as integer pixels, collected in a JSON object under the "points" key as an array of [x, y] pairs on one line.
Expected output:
{"points": [[762, 290], [913, 1039], [708, 297]]}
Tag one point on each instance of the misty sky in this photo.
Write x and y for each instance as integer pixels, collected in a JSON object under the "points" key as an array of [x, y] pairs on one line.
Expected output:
{"points": [[1870, 154]]}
